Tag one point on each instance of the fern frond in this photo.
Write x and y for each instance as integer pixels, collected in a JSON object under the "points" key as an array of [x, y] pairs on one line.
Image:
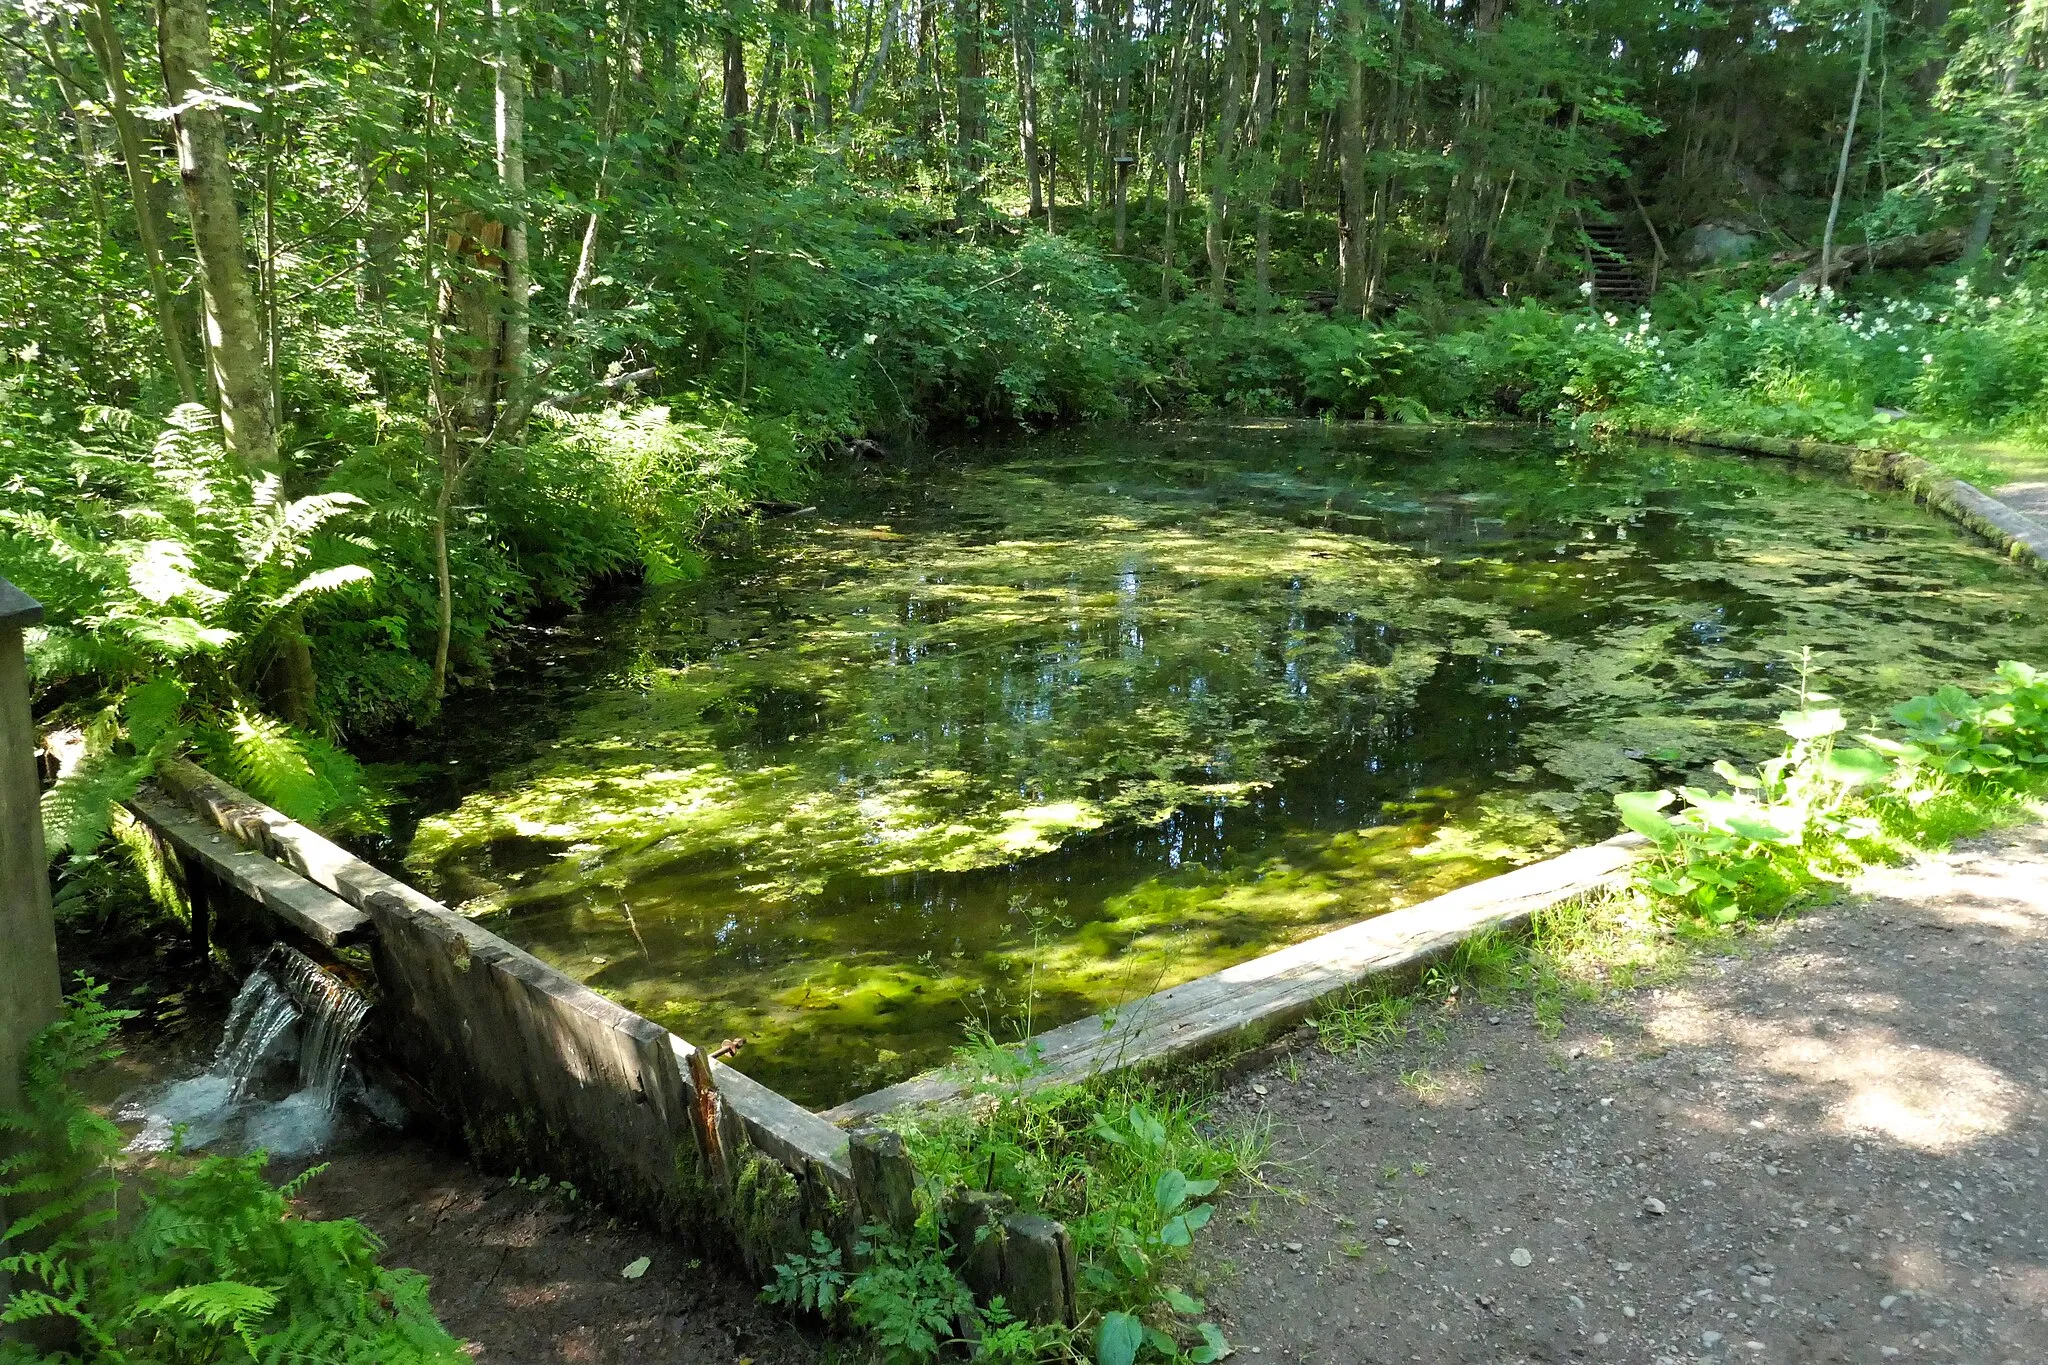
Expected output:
{"points": [[269, 762], [326, 581], [150, 711], [219, 1303], [78, 810]]}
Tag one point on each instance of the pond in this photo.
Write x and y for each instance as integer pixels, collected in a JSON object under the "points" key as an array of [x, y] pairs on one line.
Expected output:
{"points": [[1007, 735]]}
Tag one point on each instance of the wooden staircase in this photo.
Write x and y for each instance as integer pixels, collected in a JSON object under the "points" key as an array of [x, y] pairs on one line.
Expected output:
{"points": [[1616, 279]]}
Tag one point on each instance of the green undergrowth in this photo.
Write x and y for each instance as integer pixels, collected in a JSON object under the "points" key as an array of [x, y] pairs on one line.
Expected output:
{"points": [[1792, 833], [1842, 798], [193, 1262], [1126, 1164]]}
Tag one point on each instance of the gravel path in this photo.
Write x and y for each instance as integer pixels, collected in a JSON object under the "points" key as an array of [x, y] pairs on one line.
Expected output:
{"points": [[1829, 1150]]}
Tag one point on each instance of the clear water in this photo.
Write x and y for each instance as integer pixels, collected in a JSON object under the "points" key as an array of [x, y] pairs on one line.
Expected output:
{"points": [[1020, 731], [276, 1077]]}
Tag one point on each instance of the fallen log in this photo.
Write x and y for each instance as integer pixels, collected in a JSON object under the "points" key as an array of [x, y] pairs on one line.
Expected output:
{"points": [[1926, 248]]}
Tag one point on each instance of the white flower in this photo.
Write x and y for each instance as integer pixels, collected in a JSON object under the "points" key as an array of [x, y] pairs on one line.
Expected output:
{"points": [[1610, 319], [1902, 350], [1927, 359], [1587, 289], [1993, 301]]}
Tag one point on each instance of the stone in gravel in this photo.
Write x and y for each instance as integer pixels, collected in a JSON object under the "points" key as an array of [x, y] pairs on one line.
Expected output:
{"points": [[1293, 1246], [1653, 1205], [1520, 1256], [1709, 1340]]}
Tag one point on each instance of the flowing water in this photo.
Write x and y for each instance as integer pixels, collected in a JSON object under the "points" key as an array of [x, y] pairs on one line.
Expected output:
{"points": [[1014, 733], [275, 1081]]}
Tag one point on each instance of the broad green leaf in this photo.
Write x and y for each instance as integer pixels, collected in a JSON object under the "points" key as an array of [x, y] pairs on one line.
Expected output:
{"points": [[1214, 1346], [1117, 1339], [1758, 830], [1854, 767], [1180, 1302], [1734, 776], [1812, 724], [1639, 811], [1170, 1191]]}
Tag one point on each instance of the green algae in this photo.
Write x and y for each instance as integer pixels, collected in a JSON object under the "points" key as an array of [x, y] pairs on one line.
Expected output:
{"points": [[1021, 734]]}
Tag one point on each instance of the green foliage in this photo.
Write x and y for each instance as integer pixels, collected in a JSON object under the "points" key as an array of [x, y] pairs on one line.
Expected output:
{"points": [[1820, 810], [1126, 1168], [212, 1266]]}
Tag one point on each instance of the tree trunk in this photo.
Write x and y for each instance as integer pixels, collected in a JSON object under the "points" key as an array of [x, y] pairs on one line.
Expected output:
{"points": [[234, 331], [2001, 155], [735, 63], [618, 70], [1827, 240], [970, 100], [1223, 142], [1294, 142], [1023, 48], [70, 95], [891, 18], [822, 45], [152, 227], [511, 147], [1356, 225], [1261, 147]]}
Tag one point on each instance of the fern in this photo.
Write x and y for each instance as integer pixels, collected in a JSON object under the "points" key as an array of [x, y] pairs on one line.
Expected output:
{"points": [[79, 809], [214, 1268]]}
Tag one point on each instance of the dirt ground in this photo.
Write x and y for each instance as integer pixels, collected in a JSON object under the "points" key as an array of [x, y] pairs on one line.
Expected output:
{"points": [[1829, 1150], [528, 1277]]}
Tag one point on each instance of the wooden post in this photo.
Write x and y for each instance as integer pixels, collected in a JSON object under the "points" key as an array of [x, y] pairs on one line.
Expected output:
{"points": [[884, 1178], [30, 995], [706, 1120]]}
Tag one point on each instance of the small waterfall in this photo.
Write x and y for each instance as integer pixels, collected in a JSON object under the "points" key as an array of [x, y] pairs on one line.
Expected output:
{"points": [[288, 1002], [331, 1013]]}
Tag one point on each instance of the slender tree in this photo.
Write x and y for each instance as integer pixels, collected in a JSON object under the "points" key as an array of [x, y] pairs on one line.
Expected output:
{"points": [[1827, 241], [234, 330], [152, 225]]}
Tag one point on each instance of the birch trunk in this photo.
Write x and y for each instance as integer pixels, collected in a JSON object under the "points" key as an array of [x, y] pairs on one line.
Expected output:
{"points": [[1827, 240], [824, 53], [1023, 49], [511, 148], [234, 331], [152, 227], [1356, 225], [1223, 143]]}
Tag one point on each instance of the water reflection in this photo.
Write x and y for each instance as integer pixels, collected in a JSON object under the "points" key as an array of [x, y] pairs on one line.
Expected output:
{"points": [[1046, 726]]}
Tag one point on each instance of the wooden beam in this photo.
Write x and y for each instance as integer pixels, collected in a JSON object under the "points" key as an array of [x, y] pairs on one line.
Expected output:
{"points": [[1254, 999], [319, 915]]}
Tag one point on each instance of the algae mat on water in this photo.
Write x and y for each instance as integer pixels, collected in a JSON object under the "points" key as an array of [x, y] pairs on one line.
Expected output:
{"points": [[1017, 732]]}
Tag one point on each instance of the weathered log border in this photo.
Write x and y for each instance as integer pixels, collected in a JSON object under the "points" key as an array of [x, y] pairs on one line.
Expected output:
{"points": [[533, 1069], [2020, 537], [1242, 1006]]}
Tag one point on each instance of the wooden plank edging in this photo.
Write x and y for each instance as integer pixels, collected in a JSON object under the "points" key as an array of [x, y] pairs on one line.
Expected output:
{"points": [[312, 910], [1281, 988], [779, 1127]]}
